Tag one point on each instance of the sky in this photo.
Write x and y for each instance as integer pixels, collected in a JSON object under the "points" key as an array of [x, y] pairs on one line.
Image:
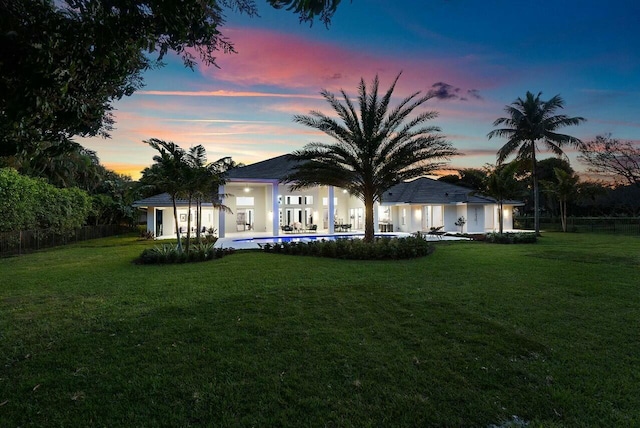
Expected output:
{"points": [[478, 56]]}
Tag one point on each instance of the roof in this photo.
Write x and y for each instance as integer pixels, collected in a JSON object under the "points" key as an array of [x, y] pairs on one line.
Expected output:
{"points": [[419, 191], [427, 190], [271, 169], [164, 200]]}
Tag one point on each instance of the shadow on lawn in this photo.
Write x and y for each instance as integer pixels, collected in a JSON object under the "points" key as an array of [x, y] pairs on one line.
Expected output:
{"points": [[322, 356]]}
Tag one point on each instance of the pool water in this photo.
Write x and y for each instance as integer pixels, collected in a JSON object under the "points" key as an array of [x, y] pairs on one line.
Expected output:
{"points": [[258, 241], [309, 238]]}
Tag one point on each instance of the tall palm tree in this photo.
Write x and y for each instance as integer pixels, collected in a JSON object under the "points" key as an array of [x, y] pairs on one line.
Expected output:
{"points": [[532, 120], [375, 147]]}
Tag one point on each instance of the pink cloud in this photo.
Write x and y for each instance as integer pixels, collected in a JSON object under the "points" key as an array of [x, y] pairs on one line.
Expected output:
{"points": [[229, 94], [286, 61]]}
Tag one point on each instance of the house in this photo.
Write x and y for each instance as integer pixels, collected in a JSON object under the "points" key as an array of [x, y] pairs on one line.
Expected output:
{"points": [[260, 202]]}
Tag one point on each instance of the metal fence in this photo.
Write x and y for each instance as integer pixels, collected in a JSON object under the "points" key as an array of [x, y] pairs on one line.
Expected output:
{"points": [[26, 241], [621, 225]]}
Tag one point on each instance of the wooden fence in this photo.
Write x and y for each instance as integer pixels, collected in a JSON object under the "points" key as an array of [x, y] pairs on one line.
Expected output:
{"points": [[621, 225], [26, 241]]}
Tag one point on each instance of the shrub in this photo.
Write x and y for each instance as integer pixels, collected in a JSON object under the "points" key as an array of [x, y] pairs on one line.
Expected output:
{"points": [[32, 203], [143, 233], [512, 238], [357, 249], [169, 254]]}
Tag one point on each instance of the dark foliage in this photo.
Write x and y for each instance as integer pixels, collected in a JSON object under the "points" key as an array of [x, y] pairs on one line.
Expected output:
{"points": [[170, 254], [356, 249], [512, 238]]}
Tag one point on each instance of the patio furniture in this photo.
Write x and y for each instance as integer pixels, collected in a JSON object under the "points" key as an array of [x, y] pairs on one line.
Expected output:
{"points": [[436, 231], [312, 228], [286, 228], [385, 227]]}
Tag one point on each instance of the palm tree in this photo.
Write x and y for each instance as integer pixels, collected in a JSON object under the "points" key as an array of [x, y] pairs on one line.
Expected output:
{"points": [[167, 174], [203, 181], [375, 148], [565, 187], [501, 184], [532, 120]]}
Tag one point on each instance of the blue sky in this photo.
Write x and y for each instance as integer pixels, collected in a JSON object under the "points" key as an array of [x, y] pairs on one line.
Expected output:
{"points": [[481, 55]]}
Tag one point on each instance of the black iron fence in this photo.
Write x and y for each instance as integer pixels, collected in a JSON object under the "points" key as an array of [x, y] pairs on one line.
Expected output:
{"points": [[26, 241], [621, 225]]}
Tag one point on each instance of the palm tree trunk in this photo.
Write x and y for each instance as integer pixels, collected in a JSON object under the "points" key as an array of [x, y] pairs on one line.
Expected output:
{"points": [[369, 231], [198, 217], [188, 225], [536, 193], [175, 219], [563, 214]]}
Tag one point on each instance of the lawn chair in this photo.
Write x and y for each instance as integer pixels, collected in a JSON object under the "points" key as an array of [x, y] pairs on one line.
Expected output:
{"points": [[436, 231]]}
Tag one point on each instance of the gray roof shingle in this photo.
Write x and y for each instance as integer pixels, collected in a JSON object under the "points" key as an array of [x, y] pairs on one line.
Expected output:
{"points": [[164, 200], [427, 190], [271, 169], [419, 191]]}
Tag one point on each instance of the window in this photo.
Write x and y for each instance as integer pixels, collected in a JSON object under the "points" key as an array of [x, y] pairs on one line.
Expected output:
{"points": [[293, 200], [325, 201], [245, 201]]}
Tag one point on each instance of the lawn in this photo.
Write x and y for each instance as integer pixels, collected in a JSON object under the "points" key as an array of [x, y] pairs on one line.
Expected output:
{"points": [[471, 335]]}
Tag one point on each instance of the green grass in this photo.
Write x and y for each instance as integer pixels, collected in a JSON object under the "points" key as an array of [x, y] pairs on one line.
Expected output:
{"points": [[468, 336]]}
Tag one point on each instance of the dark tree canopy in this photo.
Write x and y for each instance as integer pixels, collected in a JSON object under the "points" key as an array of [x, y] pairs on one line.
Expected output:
{"points": [[472, 178], [309, 9], [64, 62]]}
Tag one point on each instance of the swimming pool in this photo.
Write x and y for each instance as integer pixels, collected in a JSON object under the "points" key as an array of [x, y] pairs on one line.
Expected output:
{"points": [[256, 242], [307, 238]]}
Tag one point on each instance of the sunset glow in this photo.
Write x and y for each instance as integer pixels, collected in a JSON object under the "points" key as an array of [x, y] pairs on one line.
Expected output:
{"points": [[475, 58]]}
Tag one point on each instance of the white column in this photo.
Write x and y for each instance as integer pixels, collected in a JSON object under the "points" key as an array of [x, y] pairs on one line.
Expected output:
{"points": [[151, 220], [274, 206], [376, 206], [221, 214], [332, 209]]}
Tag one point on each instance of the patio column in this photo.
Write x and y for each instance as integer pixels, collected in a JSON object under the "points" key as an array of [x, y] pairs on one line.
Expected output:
{"points": [[221, 214], [151, 220], [332, 210], [275, 207], [376, 206]]}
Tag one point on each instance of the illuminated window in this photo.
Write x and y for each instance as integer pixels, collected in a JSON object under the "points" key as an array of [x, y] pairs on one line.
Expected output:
{"points": [[325, 201], [245, 201]]}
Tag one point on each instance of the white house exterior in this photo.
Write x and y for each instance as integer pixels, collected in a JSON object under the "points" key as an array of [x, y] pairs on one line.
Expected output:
{"points": [[260, 202]]}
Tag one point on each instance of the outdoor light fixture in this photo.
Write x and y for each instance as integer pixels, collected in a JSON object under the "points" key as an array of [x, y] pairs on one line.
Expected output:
{"points": [[247, 190]]}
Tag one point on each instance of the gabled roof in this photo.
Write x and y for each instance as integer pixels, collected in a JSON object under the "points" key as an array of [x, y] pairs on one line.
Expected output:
{"points": [[427, 190], [271, 169], [164, 200]]}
